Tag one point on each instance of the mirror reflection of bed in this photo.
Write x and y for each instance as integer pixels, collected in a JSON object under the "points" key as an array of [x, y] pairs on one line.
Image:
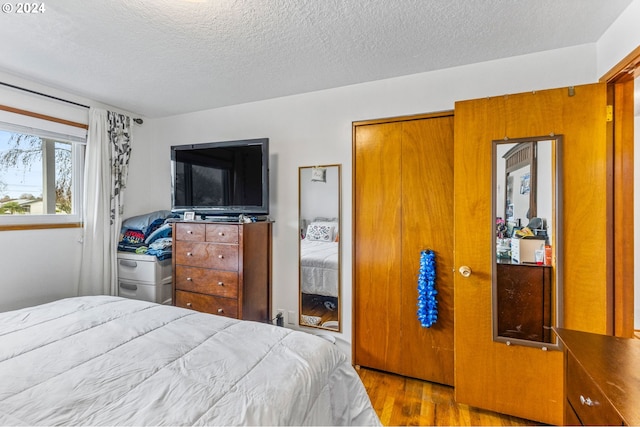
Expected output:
{"points": [[319, 273], [319, 262]]}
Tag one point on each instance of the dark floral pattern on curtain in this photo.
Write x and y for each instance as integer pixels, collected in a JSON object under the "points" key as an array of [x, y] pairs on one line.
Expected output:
{"points": [[119, 131]]}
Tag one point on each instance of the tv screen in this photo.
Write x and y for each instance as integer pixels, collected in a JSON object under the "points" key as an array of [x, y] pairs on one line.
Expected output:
{"points": [[221, 178]]}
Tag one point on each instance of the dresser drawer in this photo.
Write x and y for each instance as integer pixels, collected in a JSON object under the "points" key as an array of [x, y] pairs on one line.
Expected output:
{"points": [[206, 281], [207, 303], [190, 232], [207, 255], [222, 233], [143, 268], [570, 417], [586, 399], [159, 293]]}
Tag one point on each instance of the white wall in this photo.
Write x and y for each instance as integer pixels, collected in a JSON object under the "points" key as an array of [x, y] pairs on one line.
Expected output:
{"points": [[319, 199], [622, 37], [38, 266], [315, 128]]}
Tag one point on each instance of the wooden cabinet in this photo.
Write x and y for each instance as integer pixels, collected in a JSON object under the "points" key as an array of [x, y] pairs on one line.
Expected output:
{"points": [[524, 301], [602, 379], [403, 204], [223, 268], [585, 400]]}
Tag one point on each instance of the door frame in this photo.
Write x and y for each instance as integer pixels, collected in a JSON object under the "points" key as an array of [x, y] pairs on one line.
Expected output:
{"points": [[620, 98]]}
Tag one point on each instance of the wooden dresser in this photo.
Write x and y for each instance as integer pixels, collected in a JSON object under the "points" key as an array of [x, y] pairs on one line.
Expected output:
{"points": [[524, 293], [223, 268], [602, 379]]}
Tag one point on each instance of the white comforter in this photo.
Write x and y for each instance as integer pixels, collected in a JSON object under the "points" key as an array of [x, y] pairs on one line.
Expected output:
{"points": [[319, 267], [113, 361]]}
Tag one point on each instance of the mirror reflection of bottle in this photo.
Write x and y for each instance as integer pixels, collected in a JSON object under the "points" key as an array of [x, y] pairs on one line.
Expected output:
{"points": [[539, 254], [547, 254]]}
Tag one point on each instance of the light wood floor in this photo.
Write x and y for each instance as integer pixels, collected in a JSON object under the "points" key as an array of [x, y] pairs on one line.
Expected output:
{"points": [[401, 401]]}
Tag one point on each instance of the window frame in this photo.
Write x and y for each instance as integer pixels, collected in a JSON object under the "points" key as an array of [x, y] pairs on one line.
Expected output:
{"points": [[17, 120]]}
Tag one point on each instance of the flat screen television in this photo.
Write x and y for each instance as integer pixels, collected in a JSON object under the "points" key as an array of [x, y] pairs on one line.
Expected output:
{"points": [[226, 178]]}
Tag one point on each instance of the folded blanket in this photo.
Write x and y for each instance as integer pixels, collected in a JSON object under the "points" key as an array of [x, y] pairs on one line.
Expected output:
{"points": [[148, 234]]}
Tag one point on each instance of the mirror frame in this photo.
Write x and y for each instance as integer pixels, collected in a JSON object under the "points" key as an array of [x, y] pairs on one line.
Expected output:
{"points": [[339, 242], [556, 241]]}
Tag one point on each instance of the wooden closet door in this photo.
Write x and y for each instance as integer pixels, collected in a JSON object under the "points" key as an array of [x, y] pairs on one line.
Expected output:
{"points": [[403, 204], [427, 223], [524, 381], [377, 263]]}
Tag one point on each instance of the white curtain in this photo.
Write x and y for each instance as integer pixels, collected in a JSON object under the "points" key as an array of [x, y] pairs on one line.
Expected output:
{"points": [[105, 176]]}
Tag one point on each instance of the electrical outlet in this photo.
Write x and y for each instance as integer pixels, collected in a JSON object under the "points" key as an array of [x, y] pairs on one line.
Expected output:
{"points": [[292, 318], [280, 314]]}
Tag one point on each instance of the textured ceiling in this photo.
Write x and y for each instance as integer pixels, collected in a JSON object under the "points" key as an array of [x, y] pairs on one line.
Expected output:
{"points": [[165, 57]]}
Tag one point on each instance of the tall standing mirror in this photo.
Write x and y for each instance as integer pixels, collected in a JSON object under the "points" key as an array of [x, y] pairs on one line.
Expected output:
{"points": [[319, 252], [527, 279]]}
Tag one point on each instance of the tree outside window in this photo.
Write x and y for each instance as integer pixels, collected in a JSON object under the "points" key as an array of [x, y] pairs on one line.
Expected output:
{"points": [[36, 175]]}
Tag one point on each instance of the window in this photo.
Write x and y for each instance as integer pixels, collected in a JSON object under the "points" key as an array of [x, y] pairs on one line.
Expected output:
{"points": [[41, 172]]}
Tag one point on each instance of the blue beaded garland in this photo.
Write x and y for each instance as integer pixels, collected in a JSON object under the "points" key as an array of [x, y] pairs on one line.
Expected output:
{"points": [[427, 303]]}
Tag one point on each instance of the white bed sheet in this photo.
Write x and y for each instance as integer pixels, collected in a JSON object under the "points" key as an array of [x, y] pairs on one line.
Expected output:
{"points": [[319, 267], [114, 361]]}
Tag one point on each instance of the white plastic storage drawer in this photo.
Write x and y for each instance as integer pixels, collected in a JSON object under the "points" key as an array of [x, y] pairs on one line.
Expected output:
{"points": [[143, 268], [160, 293]]}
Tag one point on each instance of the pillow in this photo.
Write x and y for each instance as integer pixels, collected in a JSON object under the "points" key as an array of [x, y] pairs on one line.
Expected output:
{"points": [[328, 221], [322, 232], [141, 222], [333, 224]]}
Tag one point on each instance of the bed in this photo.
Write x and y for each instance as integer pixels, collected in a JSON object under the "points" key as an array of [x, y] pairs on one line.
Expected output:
{"points": [[113, 361], [319, 253], [319, 267]]}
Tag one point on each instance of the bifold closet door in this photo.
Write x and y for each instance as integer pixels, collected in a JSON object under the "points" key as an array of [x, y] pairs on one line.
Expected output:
{"points": [[403, 204], [377, 247], [427, 213]]}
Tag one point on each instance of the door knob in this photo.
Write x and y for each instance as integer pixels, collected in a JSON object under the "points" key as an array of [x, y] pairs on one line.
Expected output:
{"points": [[465, 271]]}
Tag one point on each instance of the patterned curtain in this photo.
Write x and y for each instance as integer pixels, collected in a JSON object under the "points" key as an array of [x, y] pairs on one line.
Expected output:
{"points": [[106, 169], [120, 143]]}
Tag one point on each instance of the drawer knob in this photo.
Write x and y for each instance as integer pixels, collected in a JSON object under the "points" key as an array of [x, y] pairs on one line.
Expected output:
{"points": [[220, 310], [189, 254], [188, 304], [189, 231], [220, 284], [189, 279], [220, 256], [221, 234], [586, 401]]}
